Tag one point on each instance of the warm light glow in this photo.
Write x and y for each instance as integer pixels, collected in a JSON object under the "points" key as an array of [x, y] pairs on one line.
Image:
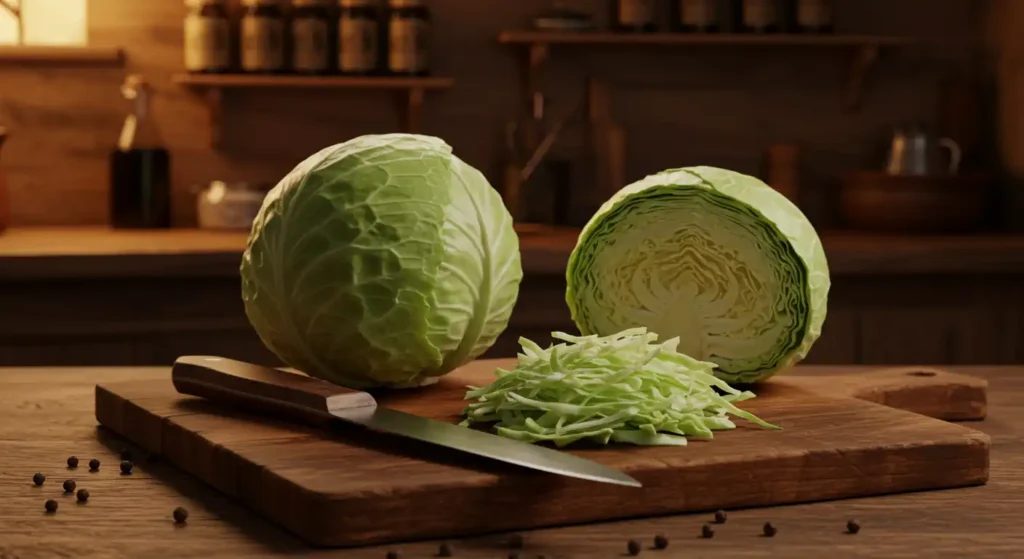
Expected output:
{"points": [[46, 22]]}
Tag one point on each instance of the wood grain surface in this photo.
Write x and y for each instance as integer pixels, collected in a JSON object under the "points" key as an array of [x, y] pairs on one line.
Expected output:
{"points": [[330, 490], [47, 414]]}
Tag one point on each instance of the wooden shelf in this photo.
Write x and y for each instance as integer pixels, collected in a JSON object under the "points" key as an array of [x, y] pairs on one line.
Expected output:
{"points": [[410, 91], [679, 39], [867, 49], [76, 56]]}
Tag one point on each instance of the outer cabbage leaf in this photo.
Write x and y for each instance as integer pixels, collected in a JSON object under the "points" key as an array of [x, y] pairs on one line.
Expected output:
{"points": [[716, 258], [381, 261]]}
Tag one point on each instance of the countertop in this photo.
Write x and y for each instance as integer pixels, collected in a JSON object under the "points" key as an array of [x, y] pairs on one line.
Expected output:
{"points": [[46, 415], [51, 253]]}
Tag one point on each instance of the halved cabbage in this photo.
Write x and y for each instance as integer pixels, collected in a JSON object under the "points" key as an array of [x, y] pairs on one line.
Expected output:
{"points": [[716, 258]]}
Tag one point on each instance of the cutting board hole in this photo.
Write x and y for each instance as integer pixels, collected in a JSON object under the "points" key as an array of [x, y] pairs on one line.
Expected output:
{"points": [[921, 373]]}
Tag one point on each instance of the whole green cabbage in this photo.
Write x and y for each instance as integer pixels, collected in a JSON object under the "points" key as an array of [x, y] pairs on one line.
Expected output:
{"points": [[382, 261], [714, 257]]}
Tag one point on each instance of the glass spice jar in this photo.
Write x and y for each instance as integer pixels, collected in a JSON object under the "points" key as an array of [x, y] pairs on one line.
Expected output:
{"points": [[207, 37], [311, 27], [358, 37], [408, 38], [263, 32]]}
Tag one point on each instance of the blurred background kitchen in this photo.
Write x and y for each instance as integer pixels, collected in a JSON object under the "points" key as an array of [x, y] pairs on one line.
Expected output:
{"points": [[139, 137]]}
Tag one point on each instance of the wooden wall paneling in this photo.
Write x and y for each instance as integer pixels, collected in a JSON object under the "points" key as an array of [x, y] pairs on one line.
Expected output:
{"points": [[839, 343]]}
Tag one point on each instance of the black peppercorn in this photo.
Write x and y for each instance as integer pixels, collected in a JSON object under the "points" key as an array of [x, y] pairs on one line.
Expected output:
{"points": [[94, 465], [707, 531], [660, 541], [38, 479], [445, 550], [126, 453], [69, 486], [73, 462], [51, 505], [180, 515], [721, 516], [769, 530], [83, 495], [126, 467], [515, 541], [853, 526], [392, 554], [633, 547]]}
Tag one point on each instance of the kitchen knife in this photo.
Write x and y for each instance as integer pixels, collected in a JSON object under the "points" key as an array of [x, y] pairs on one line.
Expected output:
{"points": [[316, 401]]}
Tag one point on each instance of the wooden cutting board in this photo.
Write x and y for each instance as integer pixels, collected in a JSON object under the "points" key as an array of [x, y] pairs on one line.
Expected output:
{"points": [[842, 437]]}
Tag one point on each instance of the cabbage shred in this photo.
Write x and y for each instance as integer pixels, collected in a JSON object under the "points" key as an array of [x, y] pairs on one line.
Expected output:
{"points": [[624, 388]]}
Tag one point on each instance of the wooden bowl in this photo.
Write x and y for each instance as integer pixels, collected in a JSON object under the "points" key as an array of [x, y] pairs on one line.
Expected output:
{"points": [[874, 201]]}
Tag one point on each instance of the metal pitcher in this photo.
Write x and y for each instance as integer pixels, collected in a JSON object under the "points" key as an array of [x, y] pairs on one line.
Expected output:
{"points": [[914, 151]]}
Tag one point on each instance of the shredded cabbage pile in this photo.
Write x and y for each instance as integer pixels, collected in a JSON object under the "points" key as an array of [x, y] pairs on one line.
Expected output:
{"points": [[624, 388]]}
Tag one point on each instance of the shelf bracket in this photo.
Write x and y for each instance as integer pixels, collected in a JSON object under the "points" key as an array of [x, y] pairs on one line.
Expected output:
{"points": [[213, 97], [411, 109], [863, 63]]}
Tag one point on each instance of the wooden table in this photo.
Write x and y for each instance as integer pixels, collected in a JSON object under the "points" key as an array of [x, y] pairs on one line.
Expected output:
{"points": [[46, 415]]}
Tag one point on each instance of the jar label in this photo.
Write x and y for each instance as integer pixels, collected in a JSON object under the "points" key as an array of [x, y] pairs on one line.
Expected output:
{"points": [[814, 13], [207, 43], [309, 44], [636, 12], [262, 43], [358, 45], [700, 13], [407, 51], [760, 13]]}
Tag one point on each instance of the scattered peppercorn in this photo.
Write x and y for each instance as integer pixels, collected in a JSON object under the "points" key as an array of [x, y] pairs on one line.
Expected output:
{"points": [[770, 530], [180, 515], [721, 516], [69, 486], [126, 467], [515, 541], [633, 547], [853, 526], [73, 462], [392, 554], [126, 453], [445, 550], [94, 465], [38, 479], [51, 505], [707, 531], [660, 541], [83, 495]]}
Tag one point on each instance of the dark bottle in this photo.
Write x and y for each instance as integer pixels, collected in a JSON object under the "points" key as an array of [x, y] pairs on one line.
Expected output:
{"points": [[311, 31], [696, 16], [814, 16], [760, 16], [358, 37], [207, 37], [263, 36], [408, 38], [632, 16], [140, 167]]}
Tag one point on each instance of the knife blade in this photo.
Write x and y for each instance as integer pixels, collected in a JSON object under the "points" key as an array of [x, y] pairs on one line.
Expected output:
{"points": [[316, 401]]}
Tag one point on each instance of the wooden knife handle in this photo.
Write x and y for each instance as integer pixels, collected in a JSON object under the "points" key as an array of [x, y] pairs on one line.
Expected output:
{"points": [[265, 389]]}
